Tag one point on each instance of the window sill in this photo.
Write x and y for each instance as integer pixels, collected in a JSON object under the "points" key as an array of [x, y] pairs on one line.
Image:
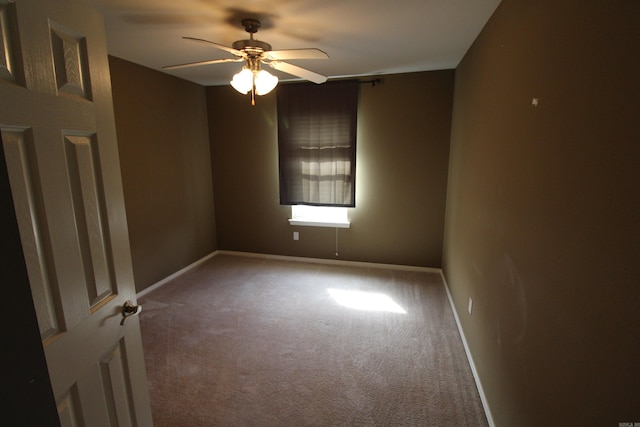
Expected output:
{"points": [[316, 223]]}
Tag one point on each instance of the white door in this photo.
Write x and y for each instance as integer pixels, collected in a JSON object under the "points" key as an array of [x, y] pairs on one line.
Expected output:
{"points": [[58, 134]]}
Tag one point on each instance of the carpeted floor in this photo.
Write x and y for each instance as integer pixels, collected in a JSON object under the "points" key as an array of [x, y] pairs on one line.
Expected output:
{"points": [[244, 341]]}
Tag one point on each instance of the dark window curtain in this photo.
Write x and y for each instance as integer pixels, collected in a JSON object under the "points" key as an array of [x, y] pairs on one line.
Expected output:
{"points": [[317, 143]]}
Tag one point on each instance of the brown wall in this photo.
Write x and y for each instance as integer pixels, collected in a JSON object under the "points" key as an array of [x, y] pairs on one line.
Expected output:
{"points": [[402, 161], [164, 155], [543, 213]]}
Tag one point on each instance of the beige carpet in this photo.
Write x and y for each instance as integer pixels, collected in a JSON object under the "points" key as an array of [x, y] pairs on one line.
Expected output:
{"points": [[252, 342]]}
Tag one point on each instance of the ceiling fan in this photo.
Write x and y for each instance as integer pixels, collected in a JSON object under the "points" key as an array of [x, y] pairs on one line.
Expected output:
{"points": [[255, 53]]}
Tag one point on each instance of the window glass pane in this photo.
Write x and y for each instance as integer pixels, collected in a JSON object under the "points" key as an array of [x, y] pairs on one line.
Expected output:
{"points": [[318, 213]]}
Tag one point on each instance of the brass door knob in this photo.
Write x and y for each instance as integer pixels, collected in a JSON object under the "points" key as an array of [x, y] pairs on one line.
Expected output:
{"points": [[128, 310]]}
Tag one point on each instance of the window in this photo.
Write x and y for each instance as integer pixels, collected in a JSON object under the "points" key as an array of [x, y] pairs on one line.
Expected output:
{"points": [[317, 143]]}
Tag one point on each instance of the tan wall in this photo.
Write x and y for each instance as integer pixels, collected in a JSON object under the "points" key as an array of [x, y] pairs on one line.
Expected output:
{"points": [[543, 213], [164, 154], [402, 161]]}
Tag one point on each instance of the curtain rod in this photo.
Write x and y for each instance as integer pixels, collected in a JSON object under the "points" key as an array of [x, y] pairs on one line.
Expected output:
{"points": [[373, 82]]}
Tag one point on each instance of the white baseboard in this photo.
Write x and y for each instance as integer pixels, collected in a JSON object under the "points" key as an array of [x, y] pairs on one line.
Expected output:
{"points": [[287, 258], [176, 274], [483, 397], [333, 262]]}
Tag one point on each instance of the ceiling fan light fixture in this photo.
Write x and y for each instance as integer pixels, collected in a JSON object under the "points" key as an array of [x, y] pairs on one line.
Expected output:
{"points": [[265, 82], [243, 81]]}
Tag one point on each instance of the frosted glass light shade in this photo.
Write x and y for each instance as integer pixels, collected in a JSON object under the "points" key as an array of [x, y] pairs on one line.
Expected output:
{"points": [[265, 82], [243, 81]]}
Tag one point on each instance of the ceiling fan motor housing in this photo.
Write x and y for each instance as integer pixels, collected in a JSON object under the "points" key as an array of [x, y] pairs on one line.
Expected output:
{"points": [[251, 46]]}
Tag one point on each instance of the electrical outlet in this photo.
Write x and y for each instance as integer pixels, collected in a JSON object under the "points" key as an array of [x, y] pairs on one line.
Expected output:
{"points": [[470, 305], [296, 235]]}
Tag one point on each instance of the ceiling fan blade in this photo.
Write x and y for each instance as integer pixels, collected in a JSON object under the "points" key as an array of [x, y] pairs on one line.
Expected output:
{"points": [[231, 50], [311, 53], [298, 71], [197, 63]]}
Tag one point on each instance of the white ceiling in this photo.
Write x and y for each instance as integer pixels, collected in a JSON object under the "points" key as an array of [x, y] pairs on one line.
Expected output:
{"points": [[362, 37]]}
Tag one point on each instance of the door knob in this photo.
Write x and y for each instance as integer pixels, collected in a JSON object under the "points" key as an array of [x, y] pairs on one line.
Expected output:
{"points": [[128, 309]]}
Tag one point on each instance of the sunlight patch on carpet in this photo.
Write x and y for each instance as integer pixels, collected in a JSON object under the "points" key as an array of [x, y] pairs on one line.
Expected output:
{"points": [[368, 301]]}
